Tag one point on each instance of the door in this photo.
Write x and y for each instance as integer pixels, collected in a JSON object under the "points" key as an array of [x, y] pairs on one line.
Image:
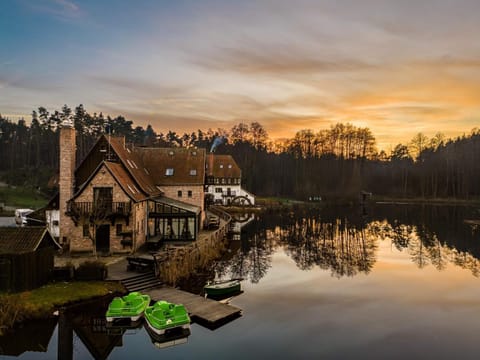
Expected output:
{"points": [[102, 238]]}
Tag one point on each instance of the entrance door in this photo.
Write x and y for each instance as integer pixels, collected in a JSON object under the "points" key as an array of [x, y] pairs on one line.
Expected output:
{"points": [[102, 238]]}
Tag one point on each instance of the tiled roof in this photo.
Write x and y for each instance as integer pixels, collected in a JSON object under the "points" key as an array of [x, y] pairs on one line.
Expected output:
{"points": [[222, 166], [188, 165], [17, 240], [125, 181], [134, 165]]}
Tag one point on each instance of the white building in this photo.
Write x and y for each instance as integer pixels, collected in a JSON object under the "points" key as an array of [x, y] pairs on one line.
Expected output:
{"points": [[223, 181]]}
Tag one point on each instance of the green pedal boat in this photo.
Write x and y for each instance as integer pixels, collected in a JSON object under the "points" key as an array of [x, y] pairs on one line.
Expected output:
{"points": [[130, 307], [164, 316]]}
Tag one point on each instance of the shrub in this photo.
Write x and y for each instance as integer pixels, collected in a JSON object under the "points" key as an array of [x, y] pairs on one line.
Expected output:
{"points": [[91, 270]]}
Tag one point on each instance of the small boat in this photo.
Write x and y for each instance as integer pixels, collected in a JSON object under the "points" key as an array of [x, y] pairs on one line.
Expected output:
{"points": [[164, 316], [130, 307], [222, 288]]}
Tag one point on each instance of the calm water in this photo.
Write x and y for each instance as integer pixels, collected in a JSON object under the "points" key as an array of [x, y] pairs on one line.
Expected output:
{"points": [[388, 282]]}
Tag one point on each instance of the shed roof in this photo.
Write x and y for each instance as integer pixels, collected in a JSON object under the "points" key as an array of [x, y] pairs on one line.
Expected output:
{"points": [[18, 240]]}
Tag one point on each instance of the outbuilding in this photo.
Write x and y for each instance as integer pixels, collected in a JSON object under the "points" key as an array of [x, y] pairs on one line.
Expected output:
{"points": [[26, 257]]}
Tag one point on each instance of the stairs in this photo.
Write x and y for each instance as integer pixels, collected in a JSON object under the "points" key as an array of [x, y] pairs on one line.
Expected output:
{"points": [[143, 281]]}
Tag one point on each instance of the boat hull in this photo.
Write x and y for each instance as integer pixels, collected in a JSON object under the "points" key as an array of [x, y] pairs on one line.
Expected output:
{"points": [[222, 289]]}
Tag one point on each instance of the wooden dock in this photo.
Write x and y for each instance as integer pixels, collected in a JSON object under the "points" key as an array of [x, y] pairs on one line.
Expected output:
{"points": [[205, 311]]}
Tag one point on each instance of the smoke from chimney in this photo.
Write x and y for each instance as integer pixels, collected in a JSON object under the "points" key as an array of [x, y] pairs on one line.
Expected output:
{"points": [[217, 142]]}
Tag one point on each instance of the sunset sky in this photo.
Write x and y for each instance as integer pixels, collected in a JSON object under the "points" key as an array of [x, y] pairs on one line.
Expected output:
{"points": [[397, 67]]}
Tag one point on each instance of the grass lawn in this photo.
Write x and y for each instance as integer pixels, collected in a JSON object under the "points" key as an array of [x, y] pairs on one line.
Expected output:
{"points": [[22, 197], [42, 302]]}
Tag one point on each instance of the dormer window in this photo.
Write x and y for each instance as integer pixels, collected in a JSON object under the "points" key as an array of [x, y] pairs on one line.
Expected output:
{"points": [[221, 166], [193, 172], [169, 172]]}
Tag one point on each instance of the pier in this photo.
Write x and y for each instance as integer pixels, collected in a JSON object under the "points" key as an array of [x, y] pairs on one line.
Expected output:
{"points": [[204, 311]]}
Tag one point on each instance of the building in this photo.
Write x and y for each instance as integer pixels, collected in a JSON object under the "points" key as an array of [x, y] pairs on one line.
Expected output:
{"points": [[121, 196], [223, 181], [26, 257]]}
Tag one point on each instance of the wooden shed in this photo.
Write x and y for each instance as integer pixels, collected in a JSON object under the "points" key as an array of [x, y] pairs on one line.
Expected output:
{"points": [[26, 257]]}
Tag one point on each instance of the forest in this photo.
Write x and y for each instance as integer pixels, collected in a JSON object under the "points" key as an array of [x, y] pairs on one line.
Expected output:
{"points": [[335, 163]]}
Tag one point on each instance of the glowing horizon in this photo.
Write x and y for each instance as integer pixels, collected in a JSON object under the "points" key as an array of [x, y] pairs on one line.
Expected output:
{"points": [[398, 68]]}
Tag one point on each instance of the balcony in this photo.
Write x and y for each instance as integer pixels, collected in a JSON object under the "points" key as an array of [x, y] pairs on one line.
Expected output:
{"points": [[99, 211]]}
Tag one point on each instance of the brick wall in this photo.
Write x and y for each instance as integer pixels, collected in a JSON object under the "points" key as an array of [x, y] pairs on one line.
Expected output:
{"points": [[66, 179], [196, 199], [79, 243]]}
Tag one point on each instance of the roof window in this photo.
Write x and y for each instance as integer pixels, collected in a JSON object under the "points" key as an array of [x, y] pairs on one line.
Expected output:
{"points": [[170, 153], [194, 153], [169, 172], [193, 172], [131, 189], [221, 166], [229, 166], [146, 171]]}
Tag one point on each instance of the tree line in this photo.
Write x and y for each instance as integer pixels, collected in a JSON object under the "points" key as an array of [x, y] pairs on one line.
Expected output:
{"points": [[338, 162]]}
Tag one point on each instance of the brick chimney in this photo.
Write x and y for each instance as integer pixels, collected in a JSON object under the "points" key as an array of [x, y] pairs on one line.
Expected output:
{"points": [[67, 175]]}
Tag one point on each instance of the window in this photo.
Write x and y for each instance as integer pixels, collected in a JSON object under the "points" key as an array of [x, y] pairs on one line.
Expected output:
{"points": [[55, 222], [179, 193], [86, 232], [229, 166], [119, 229], [228, 181], [223, 180], [218, 190], [169, 172], [189, 193], [221, 166], [216, 181], [194, 153], [193, 172]]}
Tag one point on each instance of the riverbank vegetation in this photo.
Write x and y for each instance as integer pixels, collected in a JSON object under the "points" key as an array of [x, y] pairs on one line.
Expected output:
{"points": [[42, 302], [335, 164]]}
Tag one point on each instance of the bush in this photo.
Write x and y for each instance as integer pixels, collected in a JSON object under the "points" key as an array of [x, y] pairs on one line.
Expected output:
{"points": [[91, 270]]}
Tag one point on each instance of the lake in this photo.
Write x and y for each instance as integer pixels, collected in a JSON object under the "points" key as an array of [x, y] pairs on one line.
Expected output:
{"points": [[385, 281]]}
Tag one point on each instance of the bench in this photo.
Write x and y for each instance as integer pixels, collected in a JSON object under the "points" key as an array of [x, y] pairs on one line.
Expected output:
{"points": [[139, 263]]}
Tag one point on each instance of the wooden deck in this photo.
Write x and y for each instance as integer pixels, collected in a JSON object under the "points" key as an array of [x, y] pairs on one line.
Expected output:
{"points": [[205, 311]]}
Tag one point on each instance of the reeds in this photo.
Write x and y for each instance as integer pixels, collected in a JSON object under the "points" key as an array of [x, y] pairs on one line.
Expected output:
{"points": [[181, 262]]}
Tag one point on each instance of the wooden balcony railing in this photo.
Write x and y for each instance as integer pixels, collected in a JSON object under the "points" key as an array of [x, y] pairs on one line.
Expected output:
{"points": [[105, 208]]}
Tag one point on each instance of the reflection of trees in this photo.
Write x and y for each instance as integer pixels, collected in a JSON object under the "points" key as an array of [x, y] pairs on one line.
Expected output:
{"points": [[252, 260], [339, 246], [346, 246], [423, 246]]}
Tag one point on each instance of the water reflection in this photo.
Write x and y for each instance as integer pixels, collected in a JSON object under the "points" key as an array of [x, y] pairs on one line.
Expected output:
{"points": [[347, 244]]}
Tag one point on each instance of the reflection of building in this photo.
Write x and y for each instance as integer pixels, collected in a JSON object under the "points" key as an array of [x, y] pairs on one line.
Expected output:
{"points": [[121, 195], [32, 336], [223, 181], [239, 221]]}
